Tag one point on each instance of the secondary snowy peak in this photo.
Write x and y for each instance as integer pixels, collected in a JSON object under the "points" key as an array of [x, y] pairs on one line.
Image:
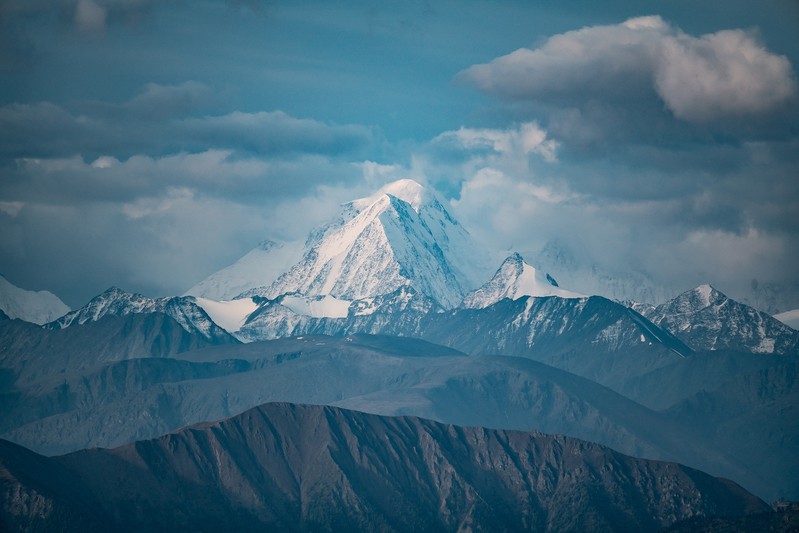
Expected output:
{"points": [[38, 307], [116, 302], [400, 236], [407, 190], [259, 267], [706, 319], [515, 279]]}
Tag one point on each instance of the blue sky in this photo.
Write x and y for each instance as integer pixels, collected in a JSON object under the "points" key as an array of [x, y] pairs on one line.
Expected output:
{"points": [[147, 143]]}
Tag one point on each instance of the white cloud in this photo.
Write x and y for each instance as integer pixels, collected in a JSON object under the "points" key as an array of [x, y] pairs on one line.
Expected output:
{"points": [[699, 79], [11, 209], [144, 207], [722, 74], [528, 138], [89, 16], [105, 161]]}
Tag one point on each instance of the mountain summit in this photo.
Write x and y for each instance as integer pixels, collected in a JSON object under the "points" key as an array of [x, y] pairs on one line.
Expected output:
{"points": [[400, 236], [515, 279], [706, 319]]}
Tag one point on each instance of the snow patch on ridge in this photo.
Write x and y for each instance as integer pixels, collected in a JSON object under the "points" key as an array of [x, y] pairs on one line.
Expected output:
{"points": [[228, 314]]}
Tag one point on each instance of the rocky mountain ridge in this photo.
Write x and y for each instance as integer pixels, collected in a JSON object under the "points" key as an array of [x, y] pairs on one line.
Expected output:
{"points": [[310, 468]]}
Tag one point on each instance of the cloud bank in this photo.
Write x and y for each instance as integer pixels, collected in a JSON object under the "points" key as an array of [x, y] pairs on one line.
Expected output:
{"points": [[710, 78]]}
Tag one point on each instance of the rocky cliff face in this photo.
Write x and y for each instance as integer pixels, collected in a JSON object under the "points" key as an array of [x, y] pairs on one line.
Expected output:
{"points": [[310, 468]]}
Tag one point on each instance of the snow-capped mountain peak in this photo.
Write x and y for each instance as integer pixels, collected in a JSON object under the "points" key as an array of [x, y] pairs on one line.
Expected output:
{"points": [[515, 279], [116, 302], [38, 307], [402, 235], [407, 190], [706, 319]]}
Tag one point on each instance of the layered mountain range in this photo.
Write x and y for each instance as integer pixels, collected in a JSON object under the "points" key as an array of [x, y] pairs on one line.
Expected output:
{"points": [[310, 468], [393, 309]]}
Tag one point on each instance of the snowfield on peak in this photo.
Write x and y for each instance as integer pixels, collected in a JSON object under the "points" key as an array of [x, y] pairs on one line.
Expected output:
{"points": [[38, 307], [515, 279]]}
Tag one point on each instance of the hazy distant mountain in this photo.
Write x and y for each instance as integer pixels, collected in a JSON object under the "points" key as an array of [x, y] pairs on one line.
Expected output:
{"points": [[116, 302], [706, 319], [592, 337], [69, 405], [115, 403], [29, 353], [294, 467], [754, 416], [38, 307], [589, 277]]}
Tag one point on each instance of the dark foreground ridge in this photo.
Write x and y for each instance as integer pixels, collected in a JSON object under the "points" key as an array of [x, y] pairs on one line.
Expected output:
{"points": [[312, 468]]}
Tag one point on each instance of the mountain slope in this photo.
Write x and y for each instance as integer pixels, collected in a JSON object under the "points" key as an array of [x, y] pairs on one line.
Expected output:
{"points": [[295, 467], [29, 353], [514, 279], [116, 302], [259, 267], [766, 399], [38, 307], [400, 236], [118, 402], [592, 337], [706, 319]]}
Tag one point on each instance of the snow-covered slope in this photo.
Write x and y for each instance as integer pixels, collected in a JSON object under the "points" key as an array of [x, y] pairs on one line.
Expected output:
{"points": [[38, 307], [790, 318], [259, 267], [400, 236], [514, 279], [706, 319], [116, 302]]}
